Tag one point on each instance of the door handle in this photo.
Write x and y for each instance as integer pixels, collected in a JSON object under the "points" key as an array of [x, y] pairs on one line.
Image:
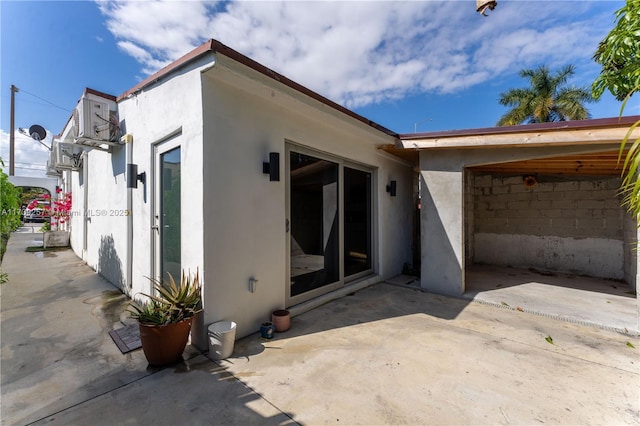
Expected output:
{"points": [[154, 227], [286, 225]]}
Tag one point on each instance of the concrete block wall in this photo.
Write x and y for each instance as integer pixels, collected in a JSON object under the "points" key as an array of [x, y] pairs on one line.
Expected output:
{"points": [[567, 224], [630, 230], [588, 207]]}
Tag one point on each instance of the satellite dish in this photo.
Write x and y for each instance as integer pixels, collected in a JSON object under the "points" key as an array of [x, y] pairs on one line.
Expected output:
{"points": [[37, 132]]}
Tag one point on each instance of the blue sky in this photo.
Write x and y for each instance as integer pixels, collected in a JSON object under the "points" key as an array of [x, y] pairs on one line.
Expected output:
{"points": [[416, 65]]}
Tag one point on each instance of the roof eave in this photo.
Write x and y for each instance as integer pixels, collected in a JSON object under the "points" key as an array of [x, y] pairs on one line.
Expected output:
{"points": [[213, 46]]}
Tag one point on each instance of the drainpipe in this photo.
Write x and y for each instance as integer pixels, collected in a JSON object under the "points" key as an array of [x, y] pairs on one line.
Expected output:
{"points": [[129, 159]]}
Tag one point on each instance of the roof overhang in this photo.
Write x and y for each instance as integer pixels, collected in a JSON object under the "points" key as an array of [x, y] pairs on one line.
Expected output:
{"points": [[214, 47]]}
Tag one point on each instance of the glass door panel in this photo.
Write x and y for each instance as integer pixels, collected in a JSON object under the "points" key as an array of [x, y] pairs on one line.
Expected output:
{"points": [[357, 221], [314, 223], [170, 261]]}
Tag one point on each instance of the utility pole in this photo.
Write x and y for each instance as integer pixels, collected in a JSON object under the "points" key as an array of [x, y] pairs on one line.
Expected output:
{"points": [[12, 132]]}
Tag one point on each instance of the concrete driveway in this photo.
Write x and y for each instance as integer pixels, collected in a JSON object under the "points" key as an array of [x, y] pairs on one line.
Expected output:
{"points": [[384, 355]]}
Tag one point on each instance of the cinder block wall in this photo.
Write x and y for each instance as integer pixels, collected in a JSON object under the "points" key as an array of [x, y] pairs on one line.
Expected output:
{"points": [[630, 230], [564, 224]]}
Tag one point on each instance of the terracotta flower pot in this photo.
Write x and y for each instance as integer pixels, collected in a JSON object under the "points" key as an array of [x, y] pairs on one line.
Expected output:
{"points": [[281, 319], [164, 344]]}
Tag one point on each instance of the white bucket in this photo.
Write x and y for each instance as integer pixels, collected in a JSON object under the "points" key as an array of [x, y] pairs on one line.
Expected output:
{"points": [[222, 337]]}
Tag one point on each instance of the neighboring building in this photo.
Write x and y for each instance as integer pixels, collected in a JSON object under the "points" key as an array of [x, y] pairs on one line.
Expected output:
{"points": [[320, 224], [282, 198]]}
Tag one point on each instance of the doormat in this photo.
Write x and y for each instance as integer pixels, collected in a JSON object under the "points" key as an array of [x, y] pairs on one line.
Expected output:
{"points": [[127, 338]]}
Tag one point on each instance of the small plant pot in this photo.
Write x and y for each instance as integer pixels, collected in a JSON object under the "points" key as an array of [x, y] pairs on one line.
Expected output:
{"points": [[281, 319], [266, 330]]}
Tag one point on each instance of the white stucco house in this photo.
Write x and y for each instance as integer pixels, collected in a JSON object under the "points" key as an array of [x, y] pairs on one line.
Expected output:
{"points": [[277, 195], [283, 198]]}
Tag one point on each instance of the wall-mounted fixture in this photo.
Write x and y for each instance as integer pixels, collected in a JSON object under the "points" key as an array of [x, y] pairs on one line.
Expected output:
{"points": [[126, 138], [529, 181], [133, 176], [253, 285], [391, 188], [272, 168]]}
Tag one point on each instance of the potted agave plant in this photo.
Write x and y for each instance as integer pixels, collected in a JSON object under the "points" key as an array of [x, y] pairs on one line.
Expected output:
{"points": [[165, 318]]}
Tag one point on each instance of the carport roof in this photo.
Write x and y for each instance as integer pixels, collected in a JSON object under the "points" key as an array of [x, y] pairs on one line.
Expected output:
{"points": [[595, 132], [602, 130]]}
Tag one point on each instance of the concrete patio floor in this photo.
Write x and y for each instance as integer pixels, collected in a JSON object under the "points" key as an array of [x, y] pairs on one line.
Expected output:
{"points": [[579, 299], [384, 355]]}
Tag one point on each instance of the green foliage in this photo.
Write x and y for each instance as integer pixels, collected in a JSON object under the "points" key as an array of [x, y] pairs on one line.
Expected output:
{"points": [[45, 227], [173, 303], [9, 209], [619, 55], [9, 205], [630, 186], [31, 192], [547, 99]]}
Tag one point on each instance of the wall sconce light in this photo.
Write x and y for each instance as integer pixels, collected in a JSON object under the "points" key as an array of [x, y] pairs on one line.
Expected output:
{"points": [[253, 285], [391, 188], [272, 168], [133, 176]]}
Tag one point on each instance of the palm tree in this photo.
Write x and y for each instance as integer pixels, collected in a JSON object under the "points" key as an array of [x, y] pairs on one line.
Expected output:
{"points": [[548, 98]]}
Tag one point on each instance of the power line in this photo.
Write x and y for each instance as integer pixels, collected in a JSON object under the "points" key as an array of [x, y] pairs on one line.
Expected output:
{"points": [[43, 99], [29, 164], [31, 168]]}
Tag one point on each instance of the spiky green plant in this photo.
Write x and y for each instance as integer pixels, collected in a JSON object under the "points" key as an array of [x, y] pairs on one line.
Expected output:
{"points": [[630, 187], [171, 304], [618, 53]]}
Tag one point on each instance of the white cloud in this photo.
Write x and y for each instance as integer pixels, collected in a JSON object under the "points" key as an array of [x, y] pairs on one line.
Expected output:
{"points": [[364, 52], [30, 156]]}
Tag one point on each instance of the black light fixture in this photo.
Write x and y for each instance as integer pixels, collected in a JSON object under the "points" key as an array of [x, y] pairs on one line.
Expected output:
{"points": [[272, 168], [391, 188], [133, 176]]}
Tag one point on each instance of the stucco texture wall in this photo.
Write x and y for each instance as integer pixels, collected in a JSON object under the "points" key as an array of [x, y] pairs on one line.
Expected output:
{"points": [[245, 232]]}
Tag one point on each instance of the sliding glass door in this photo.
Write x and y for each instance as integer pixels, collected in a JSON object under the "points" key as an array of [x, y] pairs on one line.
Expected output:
{"points": [[314, 223], [329, 222], [357, 221]]}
